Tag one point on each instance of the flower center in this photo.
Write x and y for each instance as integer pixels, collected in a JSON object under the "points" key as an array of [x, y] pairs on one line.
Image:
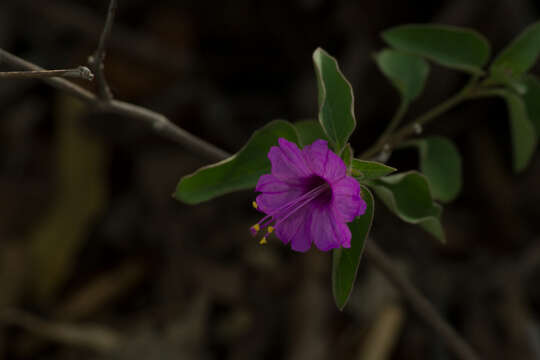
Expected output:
{"points": [[323, 197], [317, 190]]}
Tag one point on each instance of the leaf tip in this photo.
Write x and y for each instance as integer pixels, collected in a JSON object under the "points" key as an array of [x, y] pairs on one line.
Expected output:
{"points": [[318, 52]]}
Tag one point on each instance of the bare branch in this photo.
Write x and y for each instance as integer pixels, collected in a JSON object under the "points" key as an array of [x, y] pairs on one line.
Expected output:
{"points": [[96, 60], [159, 122], [81, 72], [59, 83], [166, 128], [419, 303]]}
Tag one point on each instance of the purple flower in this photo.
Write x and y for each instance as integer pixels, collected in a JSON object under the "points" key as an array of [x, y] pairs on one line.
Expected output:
{"points": [[308, 197]]}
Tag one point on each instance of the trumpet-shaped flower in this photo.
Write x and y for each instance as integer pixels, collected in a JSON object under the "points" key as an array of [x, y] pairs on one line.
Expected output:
{"points": [[308, 197]]}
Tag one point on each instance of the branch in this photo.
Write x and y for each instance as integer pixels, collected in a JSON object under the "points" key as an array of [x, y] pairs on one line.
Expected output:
{"points": [[81, 72], [163, 126], [158, 122], [96, 60], [419, 303]]}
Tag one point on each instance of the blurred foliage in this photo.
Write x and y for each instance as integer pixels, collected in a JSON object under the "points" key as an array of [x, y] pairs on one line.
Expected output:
{"points": [[80, 162]]}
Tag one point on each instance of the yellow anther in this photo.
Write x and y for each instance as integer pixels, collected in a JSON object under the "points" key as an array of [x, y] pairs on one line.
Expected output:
{"points": [[270, 229], [254, 204], [263, 241], [256, 227]]}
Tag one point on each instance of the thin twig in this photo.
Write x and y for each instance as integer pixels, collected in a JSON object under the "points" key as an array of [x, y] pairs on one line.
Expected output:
{"points": [[97, 59], [59, 83], [159, 122], [419, 303], [166, 128], [80, 72]]}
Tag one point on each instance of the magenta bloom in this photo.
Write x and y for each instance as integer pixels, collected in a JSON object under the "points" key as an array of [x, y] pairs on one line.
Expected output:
{"points": [[308, 197]]}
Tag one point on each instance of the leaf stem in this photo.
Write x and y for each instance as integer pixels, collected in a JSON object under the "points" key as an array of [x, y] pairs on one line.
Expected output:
{"points": [[394, 123], [483, 93], [407, 130]]}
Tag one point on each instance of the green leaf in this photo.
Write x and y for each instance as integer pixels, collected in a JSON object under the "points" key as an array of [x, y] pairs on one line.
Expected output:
{"points": [[365, 170], [433, 224], [532, 101], [457, 48], [408, 196], [501, 76], [521, 54], [336, 113], [345, 261], [240, 171], [309, 131], [440, 162], [407, 72], [524, 138]]}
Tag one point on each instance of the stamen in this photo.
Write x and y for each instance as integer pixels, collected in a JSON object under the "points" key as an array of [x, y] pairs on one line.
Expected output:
{"points": [[270, 217], [307, 201], [310, 195], [255, 229], [285, 211], [254, 204]]}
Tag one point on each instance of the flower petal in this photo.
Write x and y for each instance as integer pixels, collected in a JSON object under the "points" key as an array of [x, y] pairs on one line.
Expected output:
{"points": [[296, 230], [288, 164], [275, 193], [347, 201], [323, 161], [328, 232]]}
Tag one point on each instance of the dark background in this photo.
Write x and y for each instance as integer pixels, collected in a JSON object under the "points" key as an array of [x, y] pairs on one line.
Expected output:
{"points": [[98, 261]]}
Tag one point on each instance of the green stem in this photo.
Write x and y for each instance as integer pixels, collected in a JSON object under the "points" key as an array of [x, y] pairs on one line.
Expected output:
{"points": [[488, 93], [411, 128], [394, 123]]}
